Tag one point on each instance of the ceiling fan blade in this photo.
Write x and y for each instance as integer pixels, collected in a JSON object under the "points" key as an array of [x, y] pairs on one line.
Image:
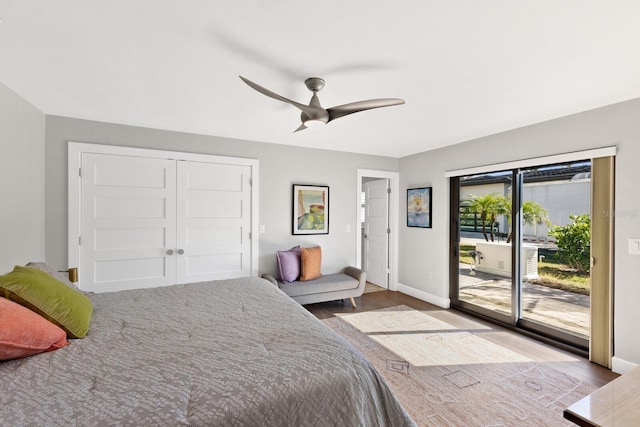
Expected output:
{"points": [[302, 107], [301, 127], [354, 107]]}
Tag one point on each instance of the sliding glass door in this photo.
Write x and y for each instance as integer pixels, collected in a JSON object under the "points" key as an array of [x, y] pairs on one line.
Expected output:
{"points": [[485, 263], [556, 230], [521, 248]]}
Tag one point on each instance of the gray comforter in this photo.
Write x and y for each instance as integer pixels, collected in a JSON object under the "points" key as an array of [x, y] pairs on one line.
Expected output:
{"points": [[224, 353]]}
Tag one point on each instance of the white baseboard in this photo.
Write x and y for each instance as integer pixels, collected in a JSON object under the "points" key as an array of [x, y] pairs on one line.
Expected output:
{"points": [[424, 296], [621, 366]]}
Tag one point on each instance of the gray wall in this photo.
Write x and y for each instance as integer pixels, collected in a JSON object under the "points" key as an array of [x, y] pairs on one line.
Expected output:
{"points": [[21, 181], [426, 250], [280, 167]]}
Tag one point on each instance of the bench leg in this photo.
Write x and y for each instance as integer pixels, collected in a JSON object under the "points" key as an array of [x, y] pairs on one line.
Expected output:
{"points": [[353, 302]]}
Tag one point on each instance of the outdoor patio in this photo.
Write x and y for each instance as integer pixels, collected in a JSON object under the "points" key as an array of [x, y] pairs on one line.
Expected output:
{"points": [[553, 307]]}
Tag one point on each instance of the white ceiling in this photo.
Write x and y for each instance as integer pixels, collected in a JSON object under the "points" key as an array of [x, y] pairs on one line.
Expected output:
{"points": [[466, 68]]}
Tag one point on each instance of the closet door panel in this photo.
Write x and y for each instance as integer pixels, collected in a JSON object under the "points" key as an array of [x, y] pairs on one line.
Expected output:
{"points": [[128, 217], [214, 221]]}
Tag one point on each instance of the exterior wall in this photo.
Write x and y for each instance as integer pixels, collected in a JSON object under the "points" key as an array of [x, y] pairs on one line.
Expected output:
{"points": [[482, 190], [560, 199], [22, 128]]}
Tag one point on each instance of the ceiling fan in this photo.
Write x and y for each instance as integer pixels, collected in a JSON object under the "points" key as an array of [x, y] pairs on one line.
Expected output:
{"points": [[313, 114]]}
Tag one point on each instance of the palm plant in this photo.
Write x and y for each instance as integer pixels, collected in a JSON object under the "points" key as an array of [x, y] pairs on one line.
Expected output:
{"points": [[489, 207], [532, 213]]}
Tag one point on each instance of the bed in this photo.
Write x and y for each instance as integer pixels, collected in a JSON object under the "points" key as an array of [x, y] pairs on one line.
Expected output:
{"points": [[225, 353]]}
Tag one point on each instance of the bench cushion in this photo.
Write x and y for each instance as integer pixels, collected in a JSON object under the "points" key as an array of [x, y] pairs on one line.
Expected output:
{"points": [[323, 284]]}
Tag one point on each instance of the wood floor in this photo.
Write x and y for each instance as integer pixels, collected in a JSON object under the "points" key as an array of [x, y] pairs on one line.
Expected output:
{"points": [[558, 359]]}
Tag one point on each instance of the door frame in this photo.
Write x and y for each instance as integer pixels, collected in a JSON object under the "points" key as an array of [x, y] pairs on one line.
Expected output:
{"points": [[394, 184], [515, 318], [604, 319], [75, 151]]}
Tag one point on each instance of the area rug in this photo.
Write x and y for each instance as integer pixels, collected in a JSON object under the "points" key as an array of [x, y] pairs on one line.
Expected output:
{"points": [[445, 376]]}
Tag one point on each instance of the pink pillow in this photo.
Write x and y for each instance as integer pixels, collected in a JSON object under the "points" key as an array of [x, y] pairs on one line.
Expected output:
{"points": [[24, 333], [289, 264]]}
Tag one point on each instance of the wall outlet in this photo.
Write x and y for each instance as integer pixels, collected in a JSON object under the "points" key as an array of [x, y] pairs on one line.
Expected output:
{"points": [[634, 246]]}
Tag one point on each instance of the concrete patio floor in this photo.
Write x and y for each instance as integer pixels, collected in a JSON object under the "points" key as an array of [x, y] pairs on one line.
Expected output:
{"points": [[553, 307]]}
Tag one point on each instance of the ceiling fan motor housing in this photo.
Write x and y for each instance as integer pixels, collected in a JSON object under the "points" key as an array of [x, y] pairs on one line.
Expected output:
{"points": [[314, 84]]}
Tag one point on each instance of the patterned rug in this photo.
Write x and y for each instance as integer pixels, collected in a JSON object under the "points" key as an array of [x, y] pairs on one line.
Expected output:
{"points": [[445, 376]]}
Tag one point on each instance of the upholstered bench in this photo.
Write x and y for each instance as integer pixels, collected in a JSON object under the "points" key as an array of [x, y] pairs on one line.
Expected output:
{"points": [[347, 284]]}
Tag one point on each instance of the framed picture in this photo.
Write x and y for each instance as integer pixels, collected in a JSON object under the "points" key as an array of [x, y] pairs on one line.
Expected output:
{"points": [[310, 209], [419, 207]]}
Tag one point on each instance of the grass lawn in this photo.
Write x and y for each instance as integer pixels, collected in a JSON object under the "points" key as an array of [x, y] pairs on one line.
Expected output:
{"points": [[559, 276], [552, 275], [464, 253]]}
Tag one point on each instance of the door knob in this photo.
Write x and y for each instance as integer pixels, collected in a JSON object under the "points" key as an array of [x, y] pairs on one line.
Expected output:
{"points": [[180, 251], [170, 252]]}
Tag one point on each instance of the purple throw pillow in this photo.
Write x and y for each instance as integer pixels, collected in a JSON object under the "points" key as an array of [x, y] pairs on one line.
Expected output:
{"points": [[289, 264]]}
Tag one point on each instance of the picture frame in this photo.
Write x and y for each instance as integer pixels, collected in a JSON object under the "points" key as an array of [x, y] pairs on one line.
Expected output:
{"points": [[310, 211], [419, 207]]}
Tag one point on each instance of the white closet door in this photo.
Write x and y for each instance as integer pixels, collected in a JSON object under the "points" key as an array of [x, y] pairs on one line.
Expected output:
{"points": [[214, 221], [128, 217], [376, 224]]}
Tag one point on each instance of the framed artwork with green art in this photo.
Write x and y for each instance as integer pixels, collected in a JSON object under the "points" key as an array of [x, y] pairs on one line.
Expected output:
{"points": [[310, 209]]}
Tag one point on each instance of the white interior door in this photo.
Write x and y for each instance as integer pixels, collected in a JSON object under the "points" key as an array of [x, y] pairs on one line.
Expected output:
{"points": [[213, 221], [376, 235], [128, 217]]}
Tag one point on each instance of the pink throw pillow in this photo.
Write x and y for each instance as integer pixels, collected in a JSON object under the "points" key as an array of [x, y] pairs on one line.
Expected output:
{"points": [[24, 333]]}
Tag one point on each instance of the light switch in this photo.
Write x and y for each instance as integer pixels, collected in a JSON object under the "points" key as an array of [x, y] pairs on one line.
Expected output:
{"points": [[262, 228], [634, 246], [348, 228]]}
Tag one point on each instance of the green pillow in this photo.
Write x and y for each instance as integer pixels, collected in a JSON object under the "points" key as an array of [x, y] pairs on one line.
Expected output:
{"points": [[50, 298]]}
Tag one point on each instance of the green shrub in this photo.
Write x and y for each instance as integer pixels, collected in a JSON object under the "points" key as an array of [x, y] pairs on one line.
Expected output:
{"points": [[574, 242]]}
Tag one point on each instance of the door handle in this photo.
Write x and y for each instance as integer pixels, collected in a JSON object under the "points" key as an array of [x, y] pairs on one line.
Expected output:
{"points": [[180, 251], [170, 252]]}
